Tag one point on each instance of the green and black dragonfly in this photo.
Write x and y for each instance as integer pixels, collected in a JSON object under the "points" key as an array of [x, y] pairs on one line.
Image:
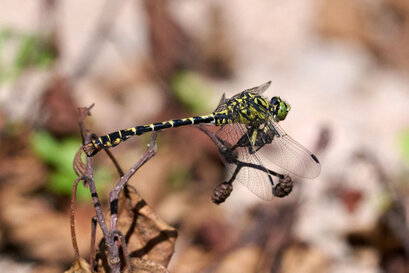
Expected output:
{"points": [[250, 133]]}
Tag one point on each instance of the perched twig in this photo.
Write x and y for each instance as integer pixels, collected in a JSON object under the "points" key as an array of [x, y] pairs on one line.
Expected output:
{"points": [[93, 236], [112, 233], [114, 195], [124, 249], [115, 162], [89, 174], [89, 178]]}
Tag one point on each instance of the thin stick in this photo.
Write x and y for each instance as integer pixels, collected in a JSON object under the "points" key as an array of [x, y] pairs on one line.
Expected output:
{"points": [[93, 237], [124, 249], [116, 164], [110, 234], [113, 253], [89, 175], [114, 195]]}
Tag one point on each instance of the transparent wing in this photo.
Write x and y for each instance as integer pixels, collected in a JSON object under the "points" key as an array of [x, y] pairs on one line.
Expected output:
{"points": [[256, 180], [259, 89], [288, 154], [222, 104], [256, 90]]}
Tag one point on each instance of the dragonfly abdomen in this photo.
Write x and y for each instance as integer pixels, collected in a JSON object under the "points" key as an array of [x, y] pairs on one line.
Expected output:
{"points": [[115, 138]]}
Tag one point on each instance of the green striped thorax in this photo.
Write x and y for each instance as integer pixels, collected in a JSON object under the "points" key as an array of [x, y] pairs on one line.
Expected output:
{"points": [[250, 108]]}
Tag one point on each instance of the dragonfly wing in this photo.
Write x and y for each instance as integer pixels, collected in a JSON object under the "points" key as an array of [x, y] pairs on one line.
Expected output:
{"points": [[222, 103], [288, 154], [256, 180], [259, 89], [255, 90]]}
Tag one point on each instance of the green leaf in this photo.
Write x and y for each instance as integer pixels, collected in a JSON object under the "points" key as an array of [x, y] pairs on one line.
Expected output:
{"points": [[404, 145], [61, 182], [178, 177], [45, 146], [191, 91], [25, 52], [33, 50], [60, 155]]}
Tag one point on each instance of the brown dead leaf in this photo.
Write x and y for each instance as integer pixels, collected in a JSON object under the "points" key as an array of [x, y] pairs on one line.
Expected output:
{"points": [[28, 220], [192, 259], [301, 258], [20, 173], [147, 235], [40, 231], [241, 260], [148, 238], [79, 266], [59, 105], [145, 266]]}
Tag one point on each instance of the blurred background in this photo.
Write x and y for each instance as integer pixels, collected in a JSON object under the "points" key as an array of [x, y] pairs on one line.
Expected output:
{"points": [[342, 65]]}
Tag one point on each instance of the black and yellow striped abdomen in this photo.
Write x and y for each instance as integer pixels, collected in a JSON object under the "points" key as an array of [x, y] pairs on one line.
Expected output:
{"points": [[115, 138]]}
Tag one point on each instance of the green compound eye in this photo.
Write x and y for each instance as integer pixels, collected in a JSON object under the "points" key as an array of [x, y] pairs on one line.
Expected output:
{"points": [[283, 110], [280, 108]]}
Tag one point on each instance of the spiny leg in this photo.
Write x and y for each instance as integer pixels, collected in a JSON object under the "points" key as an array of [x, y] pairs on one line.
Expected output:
{"points": [[229, 154]]}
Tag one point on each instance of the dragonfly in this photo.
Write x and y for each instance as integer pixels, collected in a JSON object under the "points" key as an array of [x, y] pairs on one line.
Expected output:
{"points": [[250, 141]]}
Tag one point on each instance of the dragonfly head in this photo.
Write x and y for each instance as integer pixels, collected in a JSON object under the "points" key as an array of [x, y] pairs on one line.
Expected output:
{"points": [[280, 108]]}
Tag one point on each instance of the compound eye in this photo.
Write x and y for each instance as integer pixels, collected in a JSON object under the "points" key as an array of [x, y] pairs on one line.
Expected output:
{"points": [[275, 100], [283, 110], [288, 107]]}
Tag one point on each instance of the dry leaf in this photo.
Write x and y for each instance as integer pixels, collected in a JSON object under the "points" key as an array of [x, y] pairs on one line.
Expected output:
{"points": [[79, 266], [147, 235]]}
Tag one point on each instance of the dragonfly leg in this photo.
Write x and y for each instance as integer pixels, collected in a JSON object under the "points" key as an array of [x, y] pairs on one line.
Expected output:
{"points": [[270, 178], [223, 191], [244, 140], [261, 138]]}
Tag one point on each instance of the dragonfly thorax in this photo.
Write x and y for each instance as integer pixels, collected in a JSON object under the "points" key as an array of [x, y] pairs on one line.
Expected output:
{"points": [[250, 109]]}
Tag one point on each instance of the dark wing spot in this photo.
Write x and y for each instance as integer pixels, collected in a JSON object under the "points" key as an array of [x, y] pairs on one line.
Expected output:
{"points": [[315, 158]]}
